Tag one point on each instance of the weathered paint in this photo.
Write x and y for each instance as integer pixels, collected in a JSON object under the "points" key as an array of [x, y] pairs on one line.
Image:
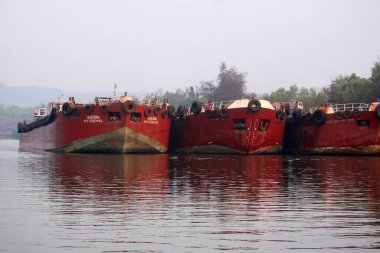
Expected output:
{"points": [[334, 136], [215, 149], [197, 133], [98, 132]]}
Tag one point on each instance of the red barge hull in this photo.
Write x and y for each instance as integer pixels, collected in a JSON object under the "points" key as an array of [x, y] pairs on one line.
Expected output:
{"points": [[355, 134], [239, 131], [104, 130]]}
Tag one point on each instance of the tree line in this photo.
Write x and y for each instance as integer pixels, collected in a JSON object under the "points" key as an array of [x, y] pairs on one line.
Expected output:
{"points": [[353, 88], [343, 89], [231, 84], [10, 116]]}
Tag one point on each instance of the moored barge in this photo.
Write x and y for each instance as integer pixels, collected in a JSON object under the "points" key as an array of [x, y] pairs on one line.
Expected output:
{"points": [[352, 129], [106, 125], [235, 127]]}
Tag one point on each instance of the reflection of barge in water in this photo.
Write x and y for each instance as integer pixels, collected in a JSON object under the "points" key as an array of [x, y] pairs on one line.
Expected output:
{"points": [[105, 173], [110, 126], [338, 129], [236, 127]]}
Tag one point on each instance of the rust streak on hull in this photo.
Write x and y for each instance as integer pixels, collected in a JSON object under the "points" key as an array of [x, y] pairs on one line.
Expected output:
{"points": [[357, 135], [100, 131], [240, 132]]}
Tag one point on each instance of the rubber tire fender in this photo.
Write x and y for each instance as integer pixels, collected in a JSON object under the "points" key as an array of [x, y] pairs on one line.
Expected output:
{"points": [[339, 115], [209, 113], [180, 111], [347, 114], [377, 111], [216, 112], [223, 113], [52, 114], [254, 105], [319, 117], [148, 112], [309, 116], [196, 107], [104, 109], [165, 113], [156, 110], [171, 111], [287, 109], [66, 109], [129, 106], [355, 113], [280, 114], [296, 116], [88, 109], [76, 112]]}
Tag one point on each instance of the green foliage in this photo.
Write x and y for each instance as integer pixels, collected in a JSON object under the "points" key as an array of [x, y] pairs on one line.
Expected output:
{"points": [[375, 81], [355, 89], [251, 95], [230, 85], [349, 89], [15, 113], [281, 94], [375, 73], [309, 97], [191, 92], [181, 97], [10, 116], [343, 89], [207, 89]]}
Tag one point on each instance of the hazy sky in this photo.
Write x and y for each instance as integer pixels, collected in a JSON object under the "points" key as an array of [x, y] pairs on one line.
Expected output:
{"points": [[83, 45]]}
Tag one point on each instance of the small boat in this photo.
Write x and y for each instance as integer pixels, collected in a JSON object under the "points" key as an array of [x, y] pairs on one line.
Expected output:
{"points": [[241, 126], [340, 129], [105, 126]]}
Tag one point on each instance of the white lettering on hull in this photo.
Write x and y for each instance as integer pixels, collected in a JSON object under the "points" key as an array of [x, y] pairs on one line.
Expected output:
{"points": [[151, 120], [335, 121], [93, 119]]}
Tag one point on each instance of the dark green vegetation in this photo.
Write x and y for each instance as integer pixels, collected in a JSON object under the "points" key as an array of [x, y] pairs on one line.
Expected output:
{"points": [[309, 97], [354, 89], [9, 117], [343, 89], [231, 84]]}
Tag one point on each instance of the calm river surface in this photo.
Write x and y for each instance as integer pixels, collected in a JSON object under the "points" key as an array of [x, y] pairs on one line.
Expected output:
{"points": [[187, 203]]}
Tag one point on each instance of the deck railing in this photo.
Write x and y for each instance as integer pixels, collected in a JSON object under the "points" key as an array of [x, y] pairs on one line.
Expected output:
{"points": [[219, 104], [351, 107]]}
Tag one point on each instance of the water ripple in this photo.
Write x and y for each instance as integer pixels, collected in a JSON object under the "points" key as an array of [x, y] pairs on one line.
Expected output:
{"points": [[187, 203]]}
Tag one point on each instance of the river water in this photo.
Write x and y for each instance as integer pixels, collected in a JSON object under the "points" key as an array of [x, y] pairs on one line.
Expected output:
{"points": [[187, 203]]}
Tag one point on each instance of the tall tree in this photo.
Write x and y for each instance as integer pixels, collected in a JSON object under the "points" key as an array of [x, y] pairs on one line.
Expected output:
{"points": [[207, 89], [191, 92], [375, 72], [231, 84], [375, 81]]}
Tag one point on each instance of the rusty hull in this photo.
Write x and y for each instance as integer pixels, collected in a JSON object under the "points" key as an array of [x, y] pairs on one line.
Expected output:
{"points": [[357, 135]]}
